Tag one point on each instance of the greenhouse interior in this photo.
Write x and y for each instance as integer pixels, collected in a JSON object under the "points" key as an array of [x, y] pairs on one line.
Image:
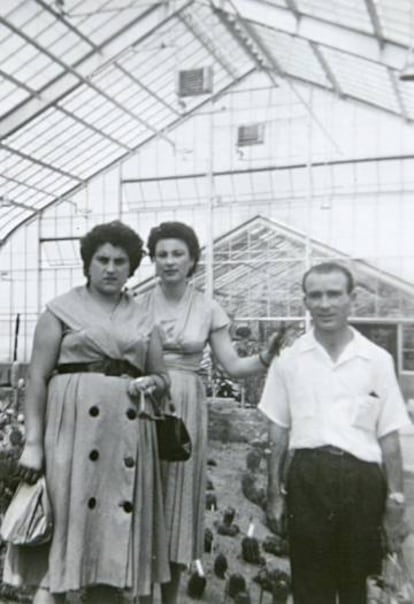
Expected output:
{"points": [[281, 131]]}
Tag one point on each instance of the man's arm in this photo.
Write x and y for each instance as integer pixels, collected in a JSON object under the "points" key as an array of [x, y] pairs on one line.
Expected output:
{"points": [[395, 526], [275, 509]]}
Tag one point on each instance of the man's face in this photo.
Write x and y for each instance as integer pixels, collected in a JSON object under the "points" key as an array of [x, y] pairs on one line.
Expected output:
{"points": [[328, 301]]}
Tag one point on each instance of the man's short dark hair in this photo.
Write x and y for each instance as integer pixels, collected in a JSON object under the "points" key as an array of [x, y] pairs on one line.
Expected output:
{"points": [[330, 267]]}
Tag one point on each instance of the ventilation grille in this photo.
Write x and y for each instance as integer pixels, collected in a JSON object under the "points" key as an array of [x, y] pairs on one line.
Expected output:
{"points": [[251, 134], [195, 81]]}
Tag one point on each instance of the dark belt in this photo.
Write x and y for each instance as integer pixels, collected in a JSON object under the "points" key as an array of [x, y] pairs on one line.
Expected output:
{"points": [[329, 449], [112, 367], [332, 450]]}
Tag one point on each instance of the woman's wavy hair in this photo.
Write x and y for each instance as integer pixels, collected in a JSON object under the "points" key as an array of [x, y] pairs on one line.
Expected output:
{"points": [[175, 230], [117, 234]]}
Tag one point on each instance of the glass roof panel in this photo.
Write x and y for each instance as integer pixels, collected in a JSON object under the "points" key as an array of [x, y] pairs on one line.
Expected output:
{"points": [[362, 79], [39, 73], [21, 12], [63, 43], [10, 95], [61, 253], [294, 55], [98, 19], [128, 90], [10, 43], [349, 13], [397, 20], [15, 62]]}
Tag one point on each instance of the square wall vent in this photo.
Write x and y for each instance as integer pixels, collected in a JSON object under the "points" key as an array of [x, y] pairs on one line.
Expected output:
{"points": [[192, 82], [250, 134]]}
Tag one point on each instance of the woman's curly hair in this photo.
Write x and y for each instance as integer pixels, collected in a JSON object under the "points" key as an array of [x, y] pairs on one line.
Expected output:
{"points": [[117, 234], [175, 230]]}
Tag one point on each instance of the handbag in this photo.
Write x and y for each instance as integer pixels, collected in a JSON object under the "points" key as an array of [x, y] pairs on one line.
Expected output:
{"points": [[28, 518], [174, 440]]}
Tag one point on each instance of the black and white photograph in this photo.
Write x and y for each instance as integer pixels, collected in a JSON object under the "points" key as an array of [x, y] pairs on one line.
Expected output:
{"points": [[207, 301]]}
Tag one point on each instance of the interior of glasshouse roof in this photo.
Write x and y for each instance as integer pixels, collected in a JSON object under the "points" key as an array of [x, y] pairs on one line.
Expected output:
{"points": [[280, 130]]}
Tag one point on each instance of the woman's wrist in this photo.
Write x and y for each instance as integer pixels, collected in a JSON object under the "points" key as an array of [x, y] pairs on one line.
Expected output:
{"points": [[161, 381]]}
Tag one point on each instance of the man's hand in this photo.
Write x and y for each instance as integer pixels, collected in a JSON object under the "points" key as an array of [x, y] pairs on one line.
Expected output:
{"points": [[395, 525], [276, 518]]}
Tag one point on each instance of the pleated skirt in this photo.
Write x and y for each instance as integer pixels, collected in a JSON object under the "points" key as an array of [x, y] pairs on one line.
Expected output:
{"points": [[184, 483]]}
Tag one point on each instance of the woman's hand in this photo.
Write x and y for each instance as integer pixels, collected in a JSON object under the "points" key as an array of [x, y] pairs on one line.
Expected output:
{"points": [[274, 345], [30, 464], [145, 384]]}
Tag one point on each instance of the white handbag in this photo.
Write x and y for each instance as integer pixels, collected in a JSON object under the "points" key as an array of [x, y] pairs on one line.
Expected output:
{"points": [[28, 518]]}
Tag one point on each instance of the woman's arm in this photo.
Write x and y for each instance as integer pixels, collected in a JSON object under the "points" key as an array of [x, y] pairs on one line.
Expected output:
{"points": [[45, 352], [236, 366], [156, 380]]}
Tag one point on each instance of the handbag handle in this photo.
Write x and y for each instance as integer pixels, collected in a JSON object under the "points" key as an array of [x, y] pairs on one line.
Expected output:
{"points": [[157, 412]]}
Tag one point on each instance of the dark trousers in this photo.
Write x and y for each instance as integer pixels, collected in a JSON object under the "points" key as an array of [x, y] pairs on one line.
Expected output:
{"points": [[335, 505]]}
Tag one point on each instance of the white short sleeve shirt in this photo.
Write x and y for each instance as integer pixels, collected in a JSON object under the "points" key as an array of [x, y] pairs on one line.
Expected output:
{"points": [[349, 403]]}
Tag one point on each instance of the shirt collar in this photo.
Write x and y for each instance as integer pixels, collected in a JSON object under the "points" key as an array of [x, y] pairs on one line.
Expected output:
{"points": [[358, 346]]}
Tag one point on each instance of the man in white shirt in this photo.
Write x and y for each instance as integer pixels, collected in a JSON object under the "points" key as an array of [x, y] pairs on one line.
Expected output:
{"points": [[334, 401]]}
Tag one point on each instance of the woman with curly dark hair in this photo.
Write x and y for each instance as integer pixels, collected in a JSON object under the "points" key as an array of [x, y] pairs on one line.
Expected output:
{"points": [[94, 351], [188, 320]]}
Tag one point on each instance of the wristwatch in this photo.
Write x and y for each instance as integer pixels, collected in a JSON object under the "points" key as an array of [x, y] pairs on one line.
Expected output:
{"points": [[397, 497]]}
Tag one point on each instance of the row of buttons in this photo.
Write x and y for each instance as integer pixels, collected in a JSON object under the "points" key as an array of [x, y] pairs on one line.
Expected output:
{"points": [[126, 505], [128, 461], [130, 413]]}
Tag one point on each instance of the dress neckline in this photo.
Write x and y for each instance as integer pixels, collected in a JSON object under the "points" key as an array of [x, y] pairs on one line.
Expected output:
{"points": [[107, 312]]}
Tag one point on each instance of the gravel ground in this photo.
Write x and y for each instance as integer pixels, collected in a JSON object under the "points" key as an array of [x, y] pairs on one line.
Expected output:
{"points": [[230, 460]]}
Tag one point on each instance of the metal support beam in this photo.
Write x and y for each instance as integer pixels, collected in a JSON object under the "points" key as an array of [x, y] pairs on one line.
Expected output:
{"points": [[294, 8], [375, 21], [394, 83], [327, 70], [150, 92], [6, 201], [60, 17]]}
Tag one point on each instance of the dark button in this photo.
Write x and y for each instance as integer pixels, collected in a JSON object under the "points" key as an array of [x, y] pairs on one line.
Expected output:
{"points": [[129, 462], [131, 413], [127, 505], [91, 503], [93, 455], [94, 411]]}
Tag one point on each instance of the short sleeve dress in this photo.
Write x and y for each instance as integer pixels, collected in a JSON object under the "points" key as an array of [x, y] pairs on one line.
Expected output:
{"points": [[185, 331], [102, 467]]}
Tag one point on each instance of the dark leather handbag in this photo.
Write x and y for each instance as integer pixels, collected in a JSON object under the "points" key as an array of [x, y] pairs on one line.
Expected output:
{"points": [[174, 441]]}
